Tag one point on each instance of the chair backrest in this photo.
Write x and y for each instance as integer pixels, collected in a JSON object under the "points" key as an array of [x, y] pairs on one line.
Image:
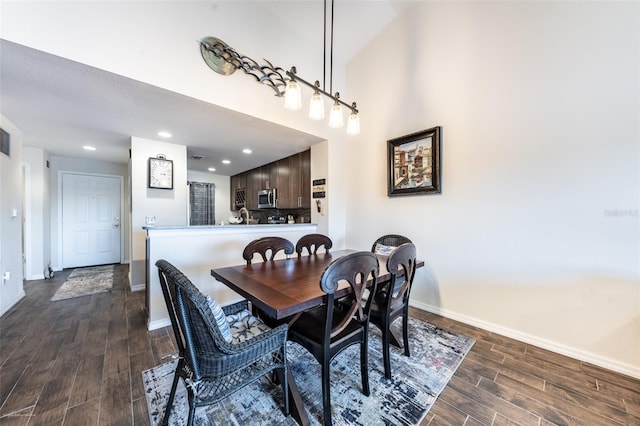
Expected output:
{"points": [[196, 331], [312, 242], [390, 240], [360, 270], [401, 264], [169, 293], [266, 245]]}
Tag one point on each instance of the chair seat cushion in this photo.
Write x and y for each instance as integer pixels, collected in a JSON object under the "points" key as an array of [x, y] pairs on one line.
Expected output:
{"points": [[247, 327], [312, 322], [238, 316], [383, 250], [219, 317]]}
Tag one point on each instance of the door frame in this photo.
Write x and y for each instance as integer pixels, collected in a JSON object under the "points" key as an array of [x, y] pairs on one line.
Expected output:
{"points": [[60, 200], [26, 223]]}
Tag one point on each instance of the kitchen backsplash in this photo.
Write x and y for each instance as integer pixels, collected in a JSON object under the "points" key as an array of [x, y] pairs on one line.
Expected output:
{"points": [[299, 215]]}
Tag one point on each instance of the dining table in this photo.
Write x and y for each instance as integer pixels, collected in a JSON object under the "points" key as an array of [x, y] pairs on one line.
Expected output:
{"points": [[285, 288]]}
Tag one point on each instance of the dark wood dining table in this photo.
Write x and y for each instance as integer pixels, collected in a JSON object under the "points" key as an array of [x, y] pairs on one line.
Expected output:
{"points": [[285, 288]]}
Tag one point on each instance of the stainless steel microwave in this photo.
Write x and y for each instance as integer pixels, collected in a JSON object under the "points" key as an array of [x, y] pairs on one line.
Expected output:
{"points": [[267, 199]]}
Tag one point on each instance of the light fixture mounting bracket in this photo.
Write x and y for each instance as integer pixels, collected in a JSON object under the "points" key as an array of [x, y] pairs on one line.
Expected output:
{"points": [[223, 59]]}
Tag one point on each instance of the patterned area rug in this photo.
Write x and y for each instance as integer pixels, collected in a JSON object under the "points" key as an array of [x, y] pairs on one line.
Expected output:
{"points": [[404, 400], [86, 281]]}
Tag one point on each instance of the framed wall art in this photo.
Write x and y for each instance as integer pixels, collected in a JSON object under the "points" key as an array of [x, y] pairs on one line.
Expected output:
{"points": [[160, 172], [414, 163]]}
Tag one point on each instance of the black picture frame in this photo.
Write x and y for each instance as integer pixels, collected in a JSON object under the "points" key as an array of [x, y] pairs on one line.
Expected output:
{"points": [[160, 173], [413, 163], [5, 143]]}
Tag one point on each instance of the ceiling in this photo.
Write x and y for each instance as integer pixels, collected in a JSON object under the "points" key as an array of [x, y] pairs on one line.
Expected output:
{"points": [[61, 105]]}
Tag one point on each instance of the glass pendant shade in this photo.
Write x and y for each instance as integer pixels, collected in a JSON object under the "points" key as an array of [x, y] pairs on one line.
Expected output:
{"points": [[293, 96], [353, 124], [335, 116], [316, 107]]}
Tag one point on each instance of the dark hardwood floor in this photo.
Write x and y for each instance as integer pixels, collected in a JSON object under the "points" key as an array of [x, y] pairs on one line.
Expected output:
{"points": [[79, 362]]}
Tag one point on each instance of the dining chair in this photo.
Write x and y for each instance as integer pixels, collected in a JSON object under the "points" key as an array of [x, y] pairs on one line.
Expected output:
{"points": [[312, 242], [267, 248], [386, 243], [217, 353], [325, 331], [392, 301]]}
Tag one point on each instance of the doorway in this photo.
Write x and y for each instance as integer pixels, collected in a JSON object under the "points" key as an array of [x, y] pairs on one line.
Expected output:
{"points": [[91, 219]]}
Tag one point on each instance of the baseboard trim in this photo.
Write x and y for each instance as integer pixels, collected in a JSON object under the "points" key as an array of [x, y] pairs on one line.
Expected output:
{"points": [[153, 325], [11, 304], [138, 287], [35, 277], [601, 361]]}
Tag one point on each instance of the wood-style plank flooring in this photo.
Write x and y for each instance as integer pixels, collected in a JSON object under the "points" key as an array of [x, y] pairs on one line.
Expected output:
{"points": [[79, 362]]}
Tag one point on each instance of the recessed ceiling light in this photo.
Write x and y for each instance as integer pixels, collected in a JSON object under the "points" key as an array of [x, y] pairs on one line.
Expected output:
{"points": [[246, 151], [212, 169], [89, 148], [226, 162], [164, 134]]}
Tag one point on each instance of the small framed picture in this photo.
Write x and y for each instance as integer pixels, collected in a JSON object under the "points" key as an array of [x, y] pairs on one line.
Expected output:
{"points": [[414, 163], [160, 173]]}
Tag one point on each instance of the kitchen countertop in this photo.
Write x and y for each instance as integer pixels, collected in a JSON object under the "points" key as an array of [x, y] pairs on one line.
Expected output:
{"points": [[226, 226]]}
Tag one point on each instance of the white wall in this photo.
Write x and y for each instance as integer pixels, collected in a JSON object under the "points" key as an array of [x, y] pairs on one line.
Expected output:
{"points": [[35, 182], [319, 170], [140, 47], [10, 227], [168, 206], [536, 232]]}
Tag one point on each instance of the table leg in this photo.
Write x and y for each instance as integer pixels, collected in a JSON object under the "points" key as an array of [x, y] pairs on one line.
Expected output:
{"points": [[296, 406], [394, 340]]}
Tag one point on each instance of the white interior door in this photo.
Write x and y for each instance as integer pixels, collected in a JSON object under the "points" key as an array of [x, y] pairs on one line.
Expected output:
{"points": [[90, 220]]}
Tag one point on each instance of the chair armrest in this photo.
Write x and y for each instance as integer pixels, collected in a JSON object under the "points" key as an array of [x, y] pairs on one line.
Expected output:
{"points": [[234, 308], [267, 341], [232, 357]]}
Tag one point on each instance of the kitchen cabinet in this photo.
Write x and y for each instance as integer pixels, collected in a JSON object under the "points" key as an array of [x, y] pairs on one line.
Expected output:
{"points": [[254, 184], [301, 179], [239, 181], [268, 175], [238, 190], [291, 176], [283, 183], [293, 181]]}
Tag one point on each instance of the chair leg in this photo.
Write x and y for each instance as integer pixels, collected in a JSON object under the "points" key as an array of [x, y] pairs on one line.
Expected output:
{"points": [[191, 397], [405, 331], [172, 394], [386, 343], [364, 364], [326, 392], [281, 374], [192, 412]]}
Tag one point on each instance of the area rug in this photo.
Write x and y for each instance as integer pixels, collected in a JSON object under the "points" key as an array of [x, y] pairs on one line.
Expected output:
{"points": [[403, 400], [86, 281]]}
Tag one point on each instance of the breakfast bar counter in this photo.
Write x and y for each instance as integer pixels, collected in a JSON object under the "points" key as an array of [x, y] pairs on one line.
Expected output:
{"points": [[195, 250]]}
